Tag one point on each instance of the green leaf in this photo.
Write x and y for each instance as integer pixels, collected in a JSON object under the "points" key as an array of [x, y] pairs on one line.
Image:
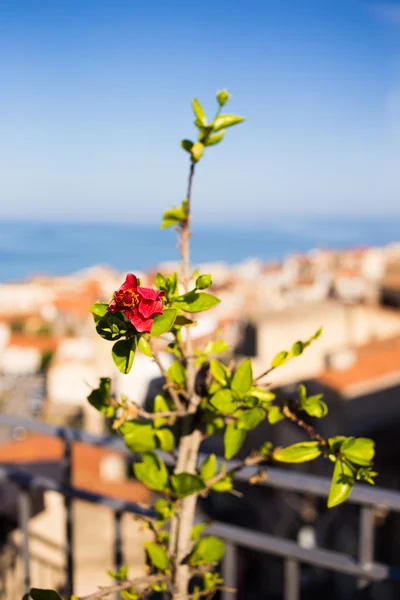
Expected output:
{"points": [[195, 302], [197, 151], [298, 453], [121, 574], [219, 372], [317, 334], [177, 372], [172, 280], [166, 439], [173, 217], [208, 550], [186, 484], [123, 353], [266, 448], [224, 401], [217, 347], [212, 580], [100, 398], [159, 586], [163, 323], [224, 485], [233, 440], [138, 435], [302, 391], [144, 346], [187, 145], [211, 140], [224, 121], [37, 594], [315, 407], [164, 509], [209, 467], [99, 310], [197, 530], [335, 443], [359, 451], [366, 474], [275, 415], [250, 419], [152, 472], [111, 328], [160, 404], [203, 282], [199, 112], [131, 595], [297, 348], [341, 485], [213, 423], [280, 358], [157, 555], [265, 396], [243, 378], [160, 282]]}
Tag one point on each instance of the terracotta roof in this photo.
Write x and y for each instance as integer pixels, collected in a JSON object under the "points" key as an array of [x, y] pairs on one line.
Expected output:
{"points": [[85, 465], [347, 272], [80, 301], [373, 361], [391, 281], [28, 340]]}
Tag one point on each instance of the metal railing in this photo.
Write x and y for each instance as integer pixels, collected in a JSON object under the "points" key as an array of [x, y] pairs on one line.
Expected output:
{"points": [[365, 569]]}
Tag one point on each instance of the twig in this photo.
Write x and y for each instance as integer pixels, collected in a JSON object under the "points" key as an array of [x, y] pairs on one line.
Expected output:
{"points": [[309, 429], [144, 582], [250, 461], [219, 588], [166, 414], [267, 372], [174, 394]]}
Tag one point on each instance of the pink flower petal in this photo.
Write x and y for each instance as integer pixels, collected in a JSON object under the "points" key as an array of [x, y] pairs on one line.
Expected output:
{"points": [[141, 324], [148, 293], [113, 307], [130, 282]]}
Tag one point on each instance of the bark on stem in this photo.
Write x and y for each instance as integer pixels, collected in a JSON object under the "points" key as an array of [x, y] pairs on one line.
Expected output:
{"points": [[181, 525]]}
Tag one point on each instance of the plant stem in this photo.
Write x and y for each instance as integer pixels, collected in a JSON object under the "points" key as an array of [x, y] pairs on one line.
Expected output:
{"points": [[309, 429], [181, 525]]}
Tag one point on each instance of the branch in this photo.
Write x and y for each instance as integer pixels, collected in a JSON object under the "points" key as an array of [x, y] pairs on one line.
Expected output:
{"points": [[218, 588], [185, 252], [144, 582], [166, 414], [267, 372], [172, 390], [250, 461], [309, 429]]}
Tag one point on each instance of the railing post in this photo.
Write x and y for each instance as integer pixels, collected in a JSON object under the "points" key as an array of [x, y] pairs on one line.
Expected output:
{"points": [[291, 577], [229, 571], [118, 549], [69, 532], [24, 510], [366, 541]]}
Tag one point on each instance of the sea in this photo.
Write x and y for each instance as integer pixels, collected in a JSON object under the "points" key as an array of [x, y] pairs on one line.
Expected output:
{"points": [[57, 248]]}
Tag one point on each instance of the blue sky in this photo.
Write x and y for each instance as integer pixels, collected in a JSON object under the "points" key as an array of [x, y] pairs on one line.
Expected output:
{"points": [[95, 96]]}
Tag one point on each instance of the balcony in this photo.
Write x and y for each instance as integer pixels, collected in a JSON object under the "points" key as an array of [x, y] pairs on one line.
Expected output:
{"points": [[31, 557]]}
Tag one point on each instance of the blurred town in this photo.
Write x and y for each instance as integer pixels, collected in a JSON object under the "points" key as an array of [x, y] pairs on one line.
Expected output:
{"points": [[51, 358]]}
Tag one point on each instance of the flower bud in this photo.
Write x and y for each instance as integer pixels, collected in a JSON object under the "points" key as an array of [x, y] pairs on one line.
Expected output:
{"points": [[197, 151], [223, 97]]}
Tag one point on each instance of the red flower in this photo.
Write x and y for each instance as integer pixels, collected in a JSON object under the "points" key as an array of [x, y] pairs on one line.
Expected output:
{"points": [[139, 304]]}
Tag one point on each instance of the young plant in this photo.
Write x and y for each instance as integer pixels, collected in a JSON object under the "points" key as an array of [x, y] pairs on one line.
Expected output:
{"points": [[230, 399]]}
